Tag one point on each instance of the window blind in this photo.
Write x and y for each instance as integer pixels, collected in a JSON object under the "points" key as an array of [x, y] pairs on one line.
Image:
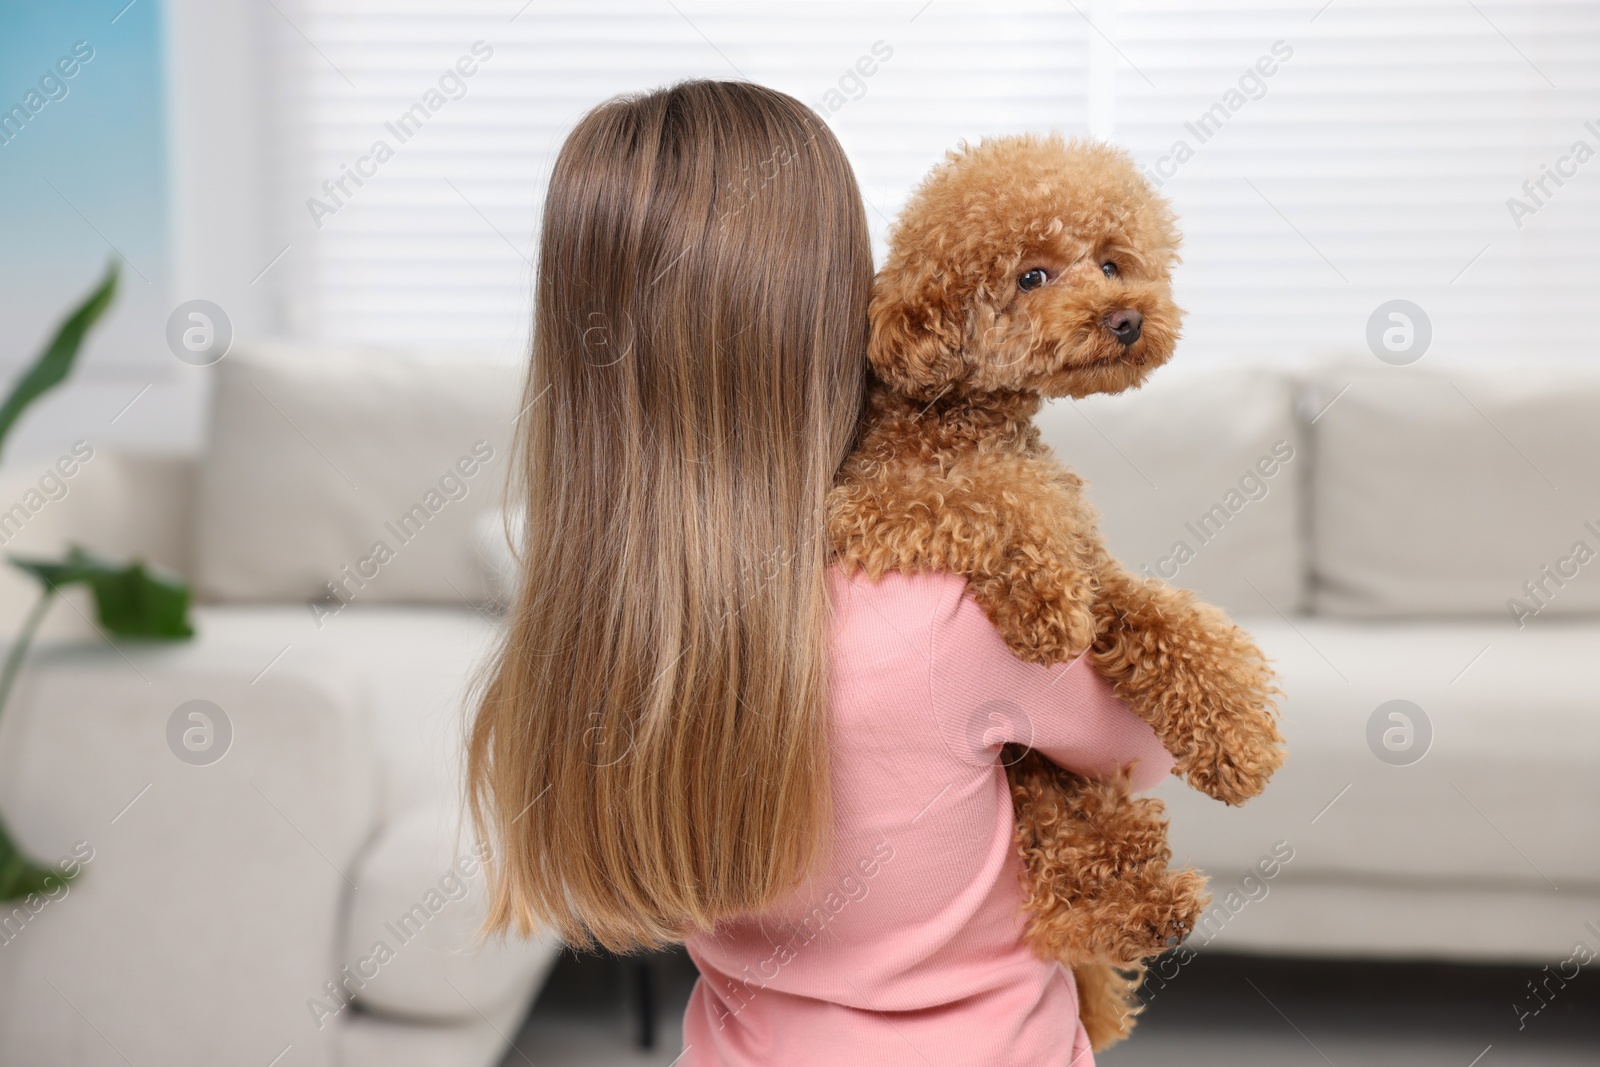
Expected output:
{"points": [[434, 247], [1327, 158], [1324, 158]]}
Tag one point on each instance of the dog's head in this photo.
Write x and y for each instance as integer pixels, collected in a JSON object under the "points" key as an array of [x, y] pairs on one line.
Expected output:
{"points": [[1027, 263]]}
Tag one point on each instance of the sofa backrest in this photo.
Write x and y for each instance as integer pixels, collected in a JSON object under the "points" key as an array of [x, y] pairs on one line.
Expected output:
{"points": [[351, 475], [1351, 489], [1198, 477], [1455, 491]]}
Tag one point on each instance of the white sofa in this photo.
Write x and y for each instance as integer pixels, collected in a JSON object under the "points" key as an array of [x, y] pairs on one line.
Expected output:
{"points": [[1376, 565], [1367, 523], [221, 900]]}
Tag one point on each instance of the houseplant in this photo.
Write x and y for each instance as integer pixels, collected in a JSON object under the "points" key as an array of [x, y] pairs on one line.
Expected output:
{"points": [[130, 599]]}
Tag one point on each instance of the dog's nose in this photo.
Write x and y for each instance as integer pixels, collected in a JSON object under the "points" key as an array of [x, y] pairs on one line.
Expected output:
{"points": [[1125, 324]]}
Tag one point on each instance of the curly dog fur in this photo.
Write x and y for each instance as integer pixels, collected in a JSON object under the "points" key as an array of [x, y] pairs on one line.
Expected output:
{"points": [[1023, 268]]}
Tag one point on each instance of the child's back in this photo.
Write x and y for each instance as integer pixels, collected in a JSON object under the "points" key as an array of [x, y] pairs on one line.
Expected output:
{"points": [[905, 944]]}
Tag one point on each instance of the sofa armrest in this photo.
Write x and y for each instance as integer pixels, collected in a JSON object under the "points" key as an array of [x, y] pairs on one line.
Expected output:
{"points": [[211, 905]]}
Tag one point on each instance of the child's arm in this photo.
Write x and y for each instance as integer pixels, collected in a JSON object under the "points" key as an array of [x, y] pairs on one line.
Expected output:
{"points": [[1089, 731], [987, 697]]}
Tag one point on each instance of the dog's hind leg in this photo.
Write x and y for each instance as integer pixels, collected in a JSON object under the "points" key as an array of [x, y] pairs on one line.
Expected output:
{"points": [[1097, 882]]}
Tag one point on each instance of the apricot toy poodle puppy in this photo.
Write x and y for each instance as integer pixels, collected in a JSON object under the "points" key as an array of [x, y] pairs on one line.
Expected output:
{"points": [[1023, 268]]}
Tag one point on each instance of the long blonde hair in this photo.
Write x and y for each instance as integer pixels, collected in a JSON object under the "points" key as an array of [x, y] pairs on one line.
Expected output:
{"points": [[649, 755]]}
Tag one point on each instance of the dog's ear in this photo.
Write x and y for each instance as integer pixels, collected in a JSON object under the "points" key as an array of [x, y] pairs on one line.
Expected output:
{"points": [[918, 332]]}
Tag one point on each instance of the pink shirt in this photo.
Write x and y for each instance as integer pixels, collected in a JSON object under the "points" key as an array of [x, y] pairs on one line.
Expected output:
{"points": [[905, 946]]}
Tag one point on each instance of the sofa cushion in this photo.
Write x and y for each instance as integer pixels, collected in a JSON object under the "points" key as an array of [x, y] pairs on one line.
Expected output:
{"points": [[119, 505], [1198, 478], [413, 940], [412, 666], [493, 538], [351, 476], [1502, 794], [1456, 492]]}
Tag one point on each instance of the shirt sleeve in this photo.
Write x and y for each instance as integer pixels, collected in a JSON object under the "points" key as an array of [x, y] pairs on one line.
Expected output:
{"points": [[984, 697]]}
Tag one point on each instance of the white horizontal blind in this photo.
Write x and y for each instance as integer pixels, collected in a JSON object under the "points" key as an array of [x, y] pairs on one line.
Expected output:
{"points": [[434, 248], [1374, 163]]}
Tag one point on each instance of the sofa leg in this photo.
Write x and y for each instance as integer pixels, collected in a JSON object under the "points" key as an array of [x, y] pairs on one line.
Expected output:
{"points": [[642, 993]]}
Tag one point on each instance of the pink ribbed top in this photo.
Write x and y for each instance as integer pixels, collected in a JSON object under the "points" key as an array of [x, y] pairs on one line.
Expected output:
{"points": [[904, 947]]}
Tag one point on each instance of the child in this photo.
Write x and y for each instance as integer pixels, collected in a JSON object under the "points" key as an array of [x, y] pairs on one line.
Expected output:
{"points": [[695, 731]]}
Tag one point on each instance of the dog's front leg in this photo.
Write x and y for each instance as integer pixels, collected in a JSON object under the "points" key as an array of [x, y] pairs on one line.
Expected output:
{"points": [[1198, 679]]}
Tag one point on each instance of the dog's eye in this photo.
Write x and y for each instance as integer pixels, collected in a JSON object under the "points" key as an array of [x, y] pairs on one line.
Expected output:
{"points": [[1032, 279], [1109, 269]]}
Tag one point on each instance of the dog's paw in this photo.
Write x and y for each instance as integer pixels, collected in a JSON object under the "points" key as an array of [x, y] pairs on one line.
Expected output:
{"points": [[1235, 757], [1187, 899], [1167, 915]]}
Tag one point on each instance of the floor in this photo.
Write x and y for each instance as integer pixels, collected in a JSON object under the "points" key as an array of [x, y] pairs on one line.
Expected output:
{"points": [[1219, 1010]]}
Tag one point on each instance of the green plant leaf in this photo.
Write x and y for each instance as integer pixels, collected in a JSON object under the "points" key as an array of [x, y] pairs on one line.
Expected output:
{"points": [[131, 600], [55, 362], [20, 876], [47, 572]]}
